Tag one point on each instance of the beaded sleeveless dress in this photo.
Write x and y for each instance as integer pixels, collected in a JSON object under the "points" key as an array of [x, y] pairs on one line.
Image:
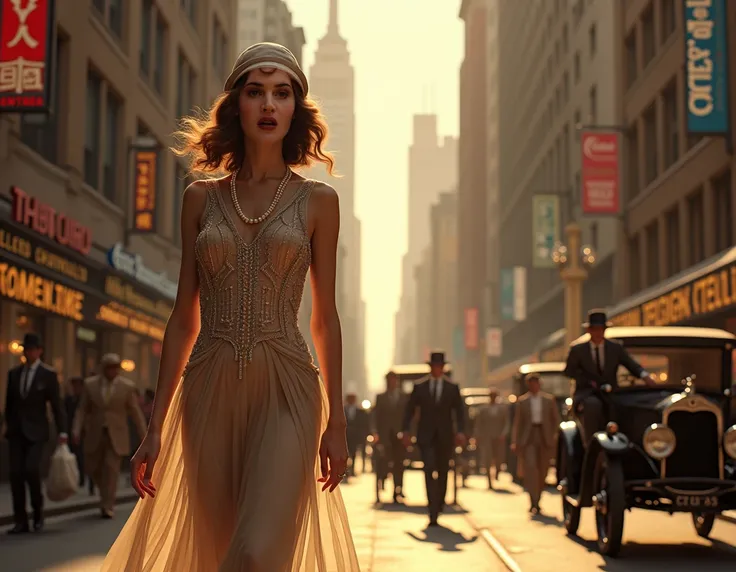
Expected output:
{"points": [[237, 475]]}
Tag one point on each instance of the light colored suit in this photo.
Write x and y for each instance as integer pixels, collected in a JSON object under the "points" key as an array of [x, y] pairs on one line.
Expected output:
{"points": [[102, 414], [490, 432], [535, 443]]}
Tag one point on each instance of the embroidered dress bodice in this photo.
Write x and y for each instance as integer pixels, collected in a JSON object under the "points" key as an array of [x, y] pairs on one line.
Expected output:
{"points": [[251, 287]]}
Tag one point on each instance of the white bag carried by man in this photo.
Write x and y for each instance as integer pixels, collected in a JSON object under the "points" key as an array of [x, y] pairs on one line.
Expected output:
{"points": [[63, 479]]}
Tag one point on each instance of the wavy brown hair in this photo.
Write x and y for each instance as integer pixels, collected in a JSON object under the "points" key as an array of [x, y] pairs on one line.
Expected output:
{"points": [[214, 140]]}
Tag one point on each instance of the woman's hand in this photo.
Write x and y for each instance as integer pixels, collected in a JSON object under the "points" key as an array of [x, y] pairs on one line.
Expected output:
{"points": [[333, 456], [142, 463]]}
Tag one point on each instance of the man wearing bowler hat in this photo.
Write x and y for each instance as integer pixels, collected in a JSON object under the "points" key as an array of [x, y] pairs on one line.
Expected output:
{"points": [[441, 427], [592, 365], [30, 387]]}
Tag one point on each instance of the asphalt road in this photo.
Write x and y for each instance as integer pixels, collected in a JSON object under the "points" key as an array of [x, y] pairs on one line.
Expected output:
{"points": [[75, 542], [538, 544]]}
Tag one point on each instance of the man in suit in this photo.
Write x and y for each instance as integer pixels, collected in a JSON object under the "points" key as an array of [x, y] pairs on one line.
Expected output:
{"points": [[441, 427], [592, 365], [534, 436], [107, 401], [490, 431], [388, 415], [30, 387]]}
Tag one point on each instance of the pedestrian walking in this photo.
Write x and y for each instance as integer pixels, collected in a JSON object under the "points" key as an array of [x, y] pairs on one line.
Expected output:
{"points": [[534, 437], [387, 419], [31, 387], [357, 429], [107, 401], [441, 427], [491, 431]]}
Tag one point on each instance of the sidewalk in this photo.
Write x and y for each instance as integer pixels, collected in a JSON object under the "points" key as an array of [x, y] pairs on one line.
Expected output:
{"points": [[393, 538], [79, 502]]}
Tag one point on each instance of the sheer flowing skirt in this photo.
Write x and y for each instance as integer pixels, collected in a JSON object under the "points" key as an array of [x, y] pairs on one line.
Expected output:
{"points": [[237, 475]]}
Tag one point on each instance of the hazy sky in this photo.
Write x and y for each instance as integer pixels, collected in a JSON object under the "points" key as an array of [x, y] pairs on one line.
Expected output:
{"points": [[401, 50]]}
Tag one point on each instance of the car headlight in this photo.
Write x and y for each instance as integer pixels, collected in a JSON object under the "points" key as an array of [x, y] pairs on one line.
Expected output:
{"points": [[659, 441], [729, 442]]}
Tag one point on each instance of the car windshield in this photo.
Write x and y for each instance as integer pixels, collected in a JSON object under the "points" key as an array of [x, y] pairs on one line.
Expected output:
{"points": [[556, 383], [669, 366]]}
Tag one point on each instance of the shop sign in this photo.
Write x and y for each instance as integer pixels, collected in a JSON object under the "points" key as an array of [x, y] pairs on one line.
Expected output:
{"points": [[545, 229], [144, 212], [26, 287], [706, 67], [600, 173], [46, 221], [132, 265], [711, 293], [27, 38]]}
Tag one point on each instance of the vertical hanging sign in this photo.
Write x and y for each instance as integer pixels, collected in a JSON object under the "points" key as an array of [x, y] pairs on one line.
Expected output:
{"points": [[706, 67], [600, 173], [507, 293], [545, 229], [471, 328], [144, 213], [27, 40]]}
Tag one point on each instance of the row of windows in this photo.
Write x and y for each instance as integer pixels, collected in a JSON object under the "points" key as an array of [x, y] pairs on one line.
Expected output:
{"points": [[657, 24]]}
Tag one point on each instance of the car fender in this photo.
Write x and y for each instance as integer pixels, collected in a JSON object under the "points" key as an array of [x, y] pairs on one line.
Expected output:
{"points": [[615, 445], [570, 438]]}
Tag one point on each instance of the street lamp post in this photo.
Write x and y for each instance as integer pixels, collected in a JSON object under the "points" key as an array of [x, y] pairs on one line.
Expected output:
{"points": [[573, 260]]}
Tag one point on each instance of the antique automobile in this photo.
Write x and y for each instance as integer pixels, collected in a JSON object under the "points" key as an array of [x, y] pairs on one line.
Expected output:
{"points": [[474, 399], [667, 447], [554, 381]]}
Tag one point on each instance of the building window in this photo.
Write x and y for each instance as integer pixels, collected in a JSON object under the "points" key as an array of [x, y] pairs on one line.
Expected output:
{"points": [[633, 162], [594, 236], [113, 114], [696, 227], [669, 19], [190, 9], [671, 125], [576, 67], [159, 56], [92, 130], [650, 145], [634, 265], [146, 19], [672, 221], [631, 66], [185, 87], [593, 97], [219, 48], [653, 254], [565, 39], [722, 215], [41, 132], [592, 40], [649, 47]]}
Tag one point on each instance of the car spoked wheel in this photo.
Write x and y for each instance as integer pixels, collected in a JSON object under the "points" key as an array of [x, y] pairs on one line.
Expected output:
{"points": [[610, 503], [703, 523], [570, 513]]}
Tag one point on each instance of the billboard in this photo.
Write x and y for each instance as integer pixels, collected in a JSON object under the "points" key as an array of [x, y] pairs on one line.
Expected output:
{"points": [[706, 67], [471, 328], [144, 208], [600, 173], [493, 342], [545, 229], [27, 41]]}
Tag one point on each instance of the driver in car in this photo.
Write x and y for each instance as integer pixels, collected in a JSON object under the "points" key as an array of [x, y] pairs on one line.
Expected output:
{"points": [[594, 364]]}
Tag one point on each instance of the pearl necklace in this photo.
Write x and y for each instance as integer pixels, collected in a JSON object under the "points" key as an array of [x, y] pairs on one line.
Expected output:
{"points": [[276, 198]]}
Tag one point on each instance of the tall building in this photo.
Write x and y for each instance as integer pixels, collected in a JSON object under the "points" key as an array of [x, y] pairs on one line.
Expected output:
{"points": [[471, 311], [332, 84], [444, 272], [432, 170], [556, 72], [268, 21], [68, 269]]}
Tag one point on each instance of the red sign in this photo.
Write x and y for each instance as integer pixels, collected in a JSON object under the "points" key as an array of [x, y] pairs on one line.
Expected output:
{"points": [[145, 192], [471, 328], [600, 173], [45, 220], [26, 47]]}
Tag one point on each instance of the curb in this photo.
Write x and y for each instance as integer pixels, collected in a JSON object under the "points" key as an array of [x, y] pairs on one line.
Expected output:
{"points": [[81, 506], [495, 545]]}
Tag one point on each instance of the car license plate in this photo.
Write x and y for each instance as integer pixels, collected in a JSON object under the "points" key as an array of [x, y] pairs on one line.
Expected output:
{"points": [[696, 501]]}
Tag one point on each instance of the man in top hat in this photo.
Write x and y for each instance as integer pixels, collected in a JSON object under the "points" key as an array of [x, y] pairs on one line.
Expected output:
{"points": [[441, 427], [106, 402], [592, 365], [30, 387], [388, 417]]}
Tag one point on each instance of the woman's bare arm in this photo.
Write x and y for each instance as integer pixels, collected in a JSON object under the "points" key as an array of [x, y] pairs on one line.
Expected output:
{"points": [[324, 211], [183, 325]]}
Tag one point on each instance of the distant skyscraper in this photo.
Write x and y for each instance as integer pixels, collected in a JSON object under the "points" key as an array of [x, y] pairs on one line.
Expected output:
{"points": [[268, 21], [332, 83]]}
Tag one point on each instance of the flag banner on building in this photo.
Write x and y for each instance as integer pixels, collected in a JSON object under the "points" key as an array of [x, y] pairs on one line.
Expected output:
{"points": [[471, 328], [545, 229], [513, 293], [493, 342], [27, 41], [600, 173], [706, 67], [144, 208]]}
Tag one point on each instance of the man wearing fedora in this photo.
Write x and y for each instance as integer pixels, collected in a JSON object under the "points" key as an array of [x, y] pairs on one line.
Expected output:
{"points": [[441, 427], [592, 365], [106, 402], [31, 386]]}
